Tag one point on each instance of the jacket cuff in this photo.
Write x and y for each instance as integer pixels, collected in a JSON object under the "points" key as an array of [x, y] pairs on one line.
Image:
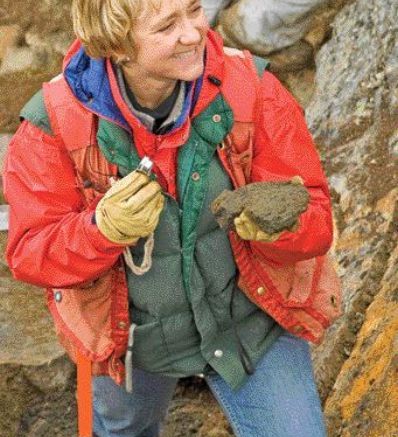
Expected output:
{"points": [[97, 239]]}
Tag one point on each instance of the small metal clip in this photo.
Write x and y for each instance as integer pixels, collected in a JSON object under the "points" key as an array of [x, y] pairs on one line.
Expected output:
{"points": [[145, 165]]}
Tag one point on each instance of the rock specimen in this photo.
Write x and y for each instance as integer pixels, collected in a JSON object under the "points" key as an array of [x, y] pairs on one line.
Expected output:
{"points": [[273, 206]]}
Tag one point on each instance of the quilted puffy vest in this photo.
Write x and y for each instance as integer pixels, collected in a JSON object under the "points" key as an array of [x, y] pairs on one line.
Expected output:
{"points": [[182, 305]]}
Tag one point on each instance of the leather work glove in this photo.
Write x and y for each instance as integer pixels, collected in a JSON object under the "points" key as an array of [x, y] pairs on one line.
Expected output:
{"points": [[130, 209]]}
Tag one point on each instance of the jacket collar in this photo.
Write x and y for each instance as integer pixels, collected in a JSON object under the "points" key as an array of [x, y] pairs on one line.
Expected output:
{"points": [[148, 143], [213, 73], [89, 80]]}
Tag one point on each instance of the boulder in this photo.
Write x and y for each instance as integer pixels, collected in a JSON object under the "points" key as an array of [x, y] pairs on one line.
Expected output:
{"points": [[213, 7], [353, 117], [17, 59], [364, 399], [264, 26], [31, 50]]}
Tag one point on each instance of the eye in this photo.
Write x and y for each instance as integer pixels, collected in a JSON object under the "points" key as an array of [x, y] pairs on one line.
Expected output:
{"points": [[196, 11], [169, 26]]}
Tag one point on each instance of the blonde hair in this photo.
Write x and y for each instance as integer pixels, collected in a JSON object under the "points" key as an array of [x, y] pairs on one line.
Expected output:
{"points": [[105, 27]]}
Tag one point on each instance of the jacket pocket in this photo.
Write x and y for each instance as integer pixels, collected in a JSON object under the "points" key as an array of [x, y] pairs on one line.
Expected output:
{"points": [[311, 285], [238, 148], [316, 288], [82, 316]]}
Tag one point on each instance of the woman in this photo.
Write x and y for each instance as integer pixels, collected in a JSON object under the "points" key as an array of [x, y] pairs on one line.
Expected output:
{"points": [[150, 78]]}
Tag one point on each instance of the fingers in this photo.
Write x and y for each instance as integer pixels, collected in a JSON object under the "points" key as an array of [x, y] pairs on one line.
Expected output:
{"points": [[112, 232], [153, 216], [143, 222], [247, 230], [297, 180], [127, 186], [295, 227], [267, 238], [244, 227], [149, 215], [142, 197]]}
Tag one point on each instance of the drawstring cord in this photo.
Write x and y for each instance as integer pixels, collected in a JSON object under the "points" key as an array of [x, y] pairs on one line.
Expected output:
{"points": [[147, 260]]}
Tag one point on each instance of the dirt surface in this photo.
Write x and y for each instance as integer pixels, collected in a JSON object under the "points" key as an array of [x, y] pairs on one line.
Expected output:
{"points": [[193, 411], [273, 206]]}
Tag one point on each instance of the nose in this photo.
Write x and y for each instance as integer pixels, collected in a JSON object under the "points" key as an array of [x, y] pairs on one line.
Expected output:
{"points": [[190, 32]]}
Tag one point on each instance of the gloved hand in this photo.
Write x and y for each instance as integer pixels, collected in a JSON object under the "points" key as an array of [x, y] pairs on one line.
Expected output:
{"points": [[130, 209]]}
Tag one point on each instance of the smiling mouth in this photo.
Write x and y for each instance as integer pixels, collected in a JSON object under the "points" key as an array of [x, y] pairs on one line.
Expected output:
{"points": [[187, 55]]}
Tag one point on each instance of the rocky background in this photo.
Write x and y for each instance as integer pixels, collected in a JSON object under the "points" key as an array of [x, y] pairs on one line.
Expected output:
{"points": [[340, 59]]}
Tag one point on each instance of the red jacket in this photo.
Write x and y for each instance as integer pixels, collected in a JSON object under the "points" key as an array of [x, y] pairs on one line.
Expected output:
{"points": [[52, 242]]}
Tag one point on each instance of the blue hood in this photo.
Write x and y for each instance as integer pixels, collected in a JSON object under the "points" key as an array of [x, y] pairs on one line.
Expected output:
{"points": [[89, 82]]}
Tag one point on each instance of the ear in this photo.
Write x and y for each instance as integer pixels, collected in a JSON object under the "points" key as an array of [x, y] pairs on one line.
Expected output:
{"points": [[122, 59]]}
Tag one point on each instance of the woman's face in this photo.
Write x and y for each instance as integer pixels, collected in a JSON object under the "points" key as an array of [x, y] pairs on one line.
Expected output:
{"points": [[170, 44]]}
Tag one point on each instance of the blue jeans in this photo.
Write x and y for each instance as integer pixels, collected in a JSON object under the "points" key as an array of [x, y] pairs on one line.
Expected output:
{"points": [[279, 400]]}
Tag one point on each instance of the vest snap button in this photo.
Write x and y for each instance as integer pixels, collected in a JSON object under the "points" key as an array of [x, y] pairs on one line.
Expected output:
{"points": [[195, 176], [260, 291], [216, 118], [58, 296], [218, 353]]}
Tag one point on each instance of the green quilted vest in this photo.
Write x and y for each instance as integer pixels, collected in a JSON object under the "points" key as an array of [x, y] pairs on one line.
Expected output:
{"points": [[182, 305]]}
